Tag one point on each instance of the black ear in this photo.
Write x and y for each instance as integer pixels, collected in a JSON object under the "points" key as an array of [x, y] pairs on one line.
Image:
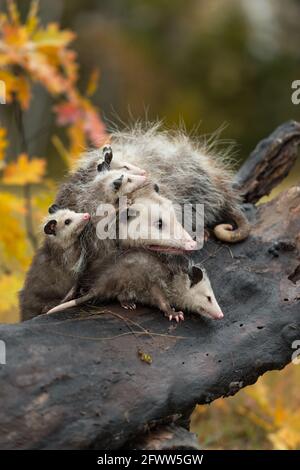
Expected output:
{"points": [[50, 227], [107, 154], [102, 167], [156, 188], [118, 183], [53, 208], [195, 275]]}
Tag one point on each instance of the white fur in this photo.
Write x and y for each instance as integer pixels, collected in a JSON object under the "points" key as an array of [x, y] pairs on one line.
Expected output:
{"points": [[66, 235]]}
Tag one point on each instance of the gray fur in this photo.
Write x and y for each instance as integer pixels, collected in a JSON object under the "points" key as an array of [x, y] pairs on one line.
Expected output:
{"points": [[186, 172], [55, 267], [139, 276]]}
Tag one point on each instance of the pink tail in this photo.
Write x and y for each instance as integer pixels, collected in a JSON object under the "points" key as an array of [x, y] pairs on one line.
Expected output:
{"points": [[71, 303]]}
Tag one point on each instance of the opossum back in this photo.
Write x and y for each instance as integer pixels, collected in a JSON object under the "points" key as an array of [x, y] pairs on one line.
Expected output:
{"points": [[185, 170]]}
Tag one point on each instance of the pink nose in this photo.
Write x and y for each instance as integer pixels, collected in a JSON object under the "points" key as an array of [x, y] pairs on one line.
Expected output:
{"points": [[86, 216], [220, 315], [191, 245]]}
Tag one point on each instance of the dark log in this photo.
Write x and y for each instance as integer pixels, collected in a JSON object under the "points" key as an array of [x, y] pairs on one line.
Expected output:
{"points": [[269, 163], [75, 380]]}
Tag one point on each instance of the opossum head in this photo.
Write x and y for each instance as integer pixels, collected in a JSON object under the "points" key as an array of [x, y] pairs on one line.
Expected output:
{"points": [[117, 183], [64, 226], [152, 224], [107, 162], [195, 293]]}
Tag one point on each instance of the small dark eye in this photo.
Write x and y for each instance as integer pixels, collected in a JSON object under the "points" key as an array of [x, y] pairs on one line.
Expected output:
{"points": [[209, 298], [125, 167], [68, 221], [160, 224], [129, 180]]}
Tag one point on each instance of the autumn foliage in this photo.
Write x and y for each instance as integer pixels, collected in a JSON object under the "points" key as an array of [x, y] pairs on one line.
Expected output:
{"points": [[265, 415], [31, 53]]}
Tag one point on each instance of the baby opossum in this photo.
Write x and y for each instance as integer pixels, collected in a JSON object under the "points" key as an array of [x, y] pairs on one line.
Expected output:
{"points": [[55, 267], [139, 276], [108, 187], [73, 194], [186, 172]]}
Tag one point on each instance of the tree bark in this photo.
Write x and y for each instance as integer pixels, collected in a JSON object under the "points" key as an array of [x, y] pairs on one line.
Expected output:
{"points": [[269, 163], [76, 380]]}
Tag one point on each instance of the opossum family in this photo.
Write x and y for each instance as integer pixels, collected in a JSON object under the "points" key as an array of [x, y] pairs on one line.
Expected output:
{"points": [[149, 167]]}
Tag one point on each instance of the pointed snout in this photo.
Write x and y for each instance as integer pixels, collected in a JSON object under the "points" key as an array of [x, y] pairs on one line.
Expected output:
{"points": [[190, 245], [141, 178], [136, 170], [219, 315]]}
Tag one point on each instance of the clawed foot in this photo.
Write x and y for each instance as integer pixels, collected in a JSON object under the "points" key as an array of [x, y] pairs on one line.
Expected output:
{"points": [[178, 316], [128, 305], [206, 235]]}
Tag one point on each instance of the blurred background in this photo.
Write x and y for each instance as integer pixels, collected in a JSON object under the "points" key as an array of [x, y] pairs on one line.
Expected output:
{"points": [[72, 69]]}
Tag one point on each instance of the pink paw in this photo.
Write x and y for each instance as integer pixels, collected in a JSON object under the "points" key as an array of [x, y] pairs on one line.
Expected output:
{"points": [[128, 305], [178, 316]]}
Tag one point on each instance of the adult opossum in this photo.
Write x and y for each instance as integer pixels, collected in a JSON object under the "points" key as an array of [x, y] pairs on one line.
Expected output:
{"points": [[139, 276], [55, 267], [185, 171]]}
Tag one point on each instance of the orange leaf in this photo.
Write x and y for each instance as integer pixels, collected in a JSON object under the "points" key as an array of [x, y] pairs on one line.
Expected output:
{"points": [[18, 86], [67, 113], [24, 171]]}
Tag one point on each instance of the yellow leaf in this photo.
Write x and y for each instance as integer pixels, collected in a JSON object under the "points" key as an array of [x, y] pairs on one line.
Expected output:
{"points": [[10, 284], [77, 138], [22, 89], [145, 357], [42, 200], [32, 19], [16, 85], [13, 12], [24, 171], [15, 252], [52, 36], [15, 36], [93, 83], [9, 81], [288, 435]]}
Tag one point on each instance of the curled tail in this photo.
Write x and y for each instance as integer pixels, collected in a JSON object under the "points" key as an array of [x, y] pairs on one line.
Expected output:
{"points": [[71, 303], [227, 233]]}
